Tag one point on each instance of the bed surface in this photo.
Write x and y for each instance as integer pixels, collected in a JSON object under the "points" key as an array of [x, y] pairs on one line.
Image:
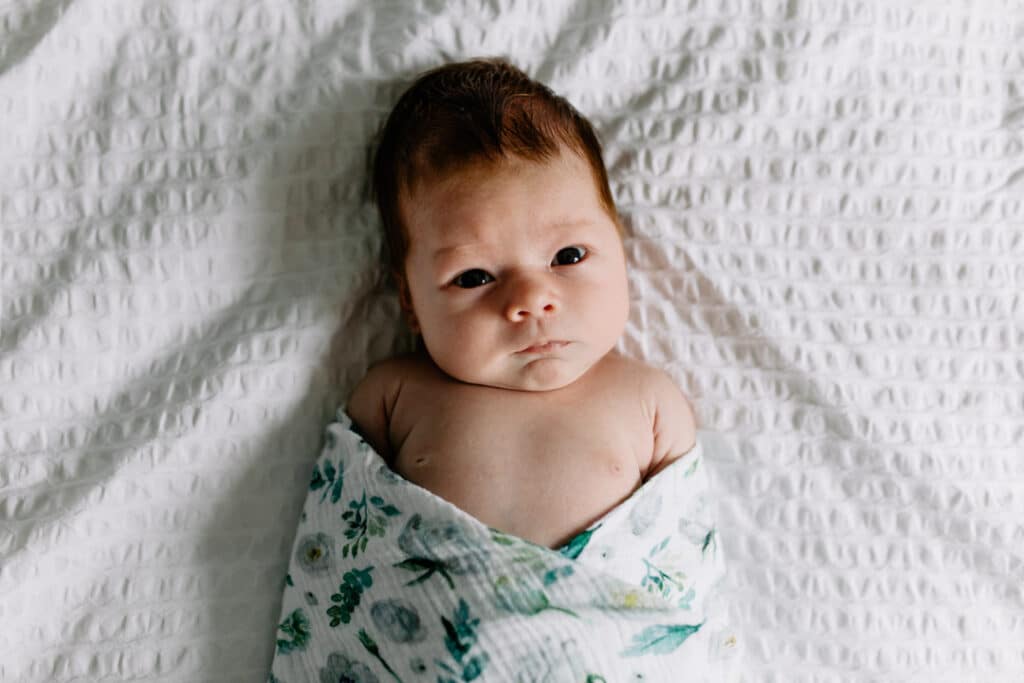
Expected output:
{"points": [[825, 226]]}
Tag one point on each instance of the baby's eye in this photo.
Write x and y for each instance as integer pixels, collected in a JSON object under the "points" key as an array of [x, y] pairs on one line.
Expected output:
{"points": [[472, 278], [569, 255]]}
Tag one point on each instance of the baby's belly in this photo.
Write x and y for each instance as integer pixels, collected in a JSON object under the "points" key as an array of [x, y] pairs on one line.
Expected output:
{"points": [[546, 498]]}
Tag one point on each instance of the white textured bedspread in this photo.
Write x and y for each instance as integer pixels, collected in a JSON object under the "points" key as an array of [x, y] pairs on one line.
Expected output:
{"points": [[824, 204]]}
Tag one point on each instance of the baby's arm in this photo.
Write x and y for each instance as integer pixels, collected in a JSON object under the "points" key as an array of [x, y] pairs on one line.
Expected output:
{"points": [[675, 428], [371, 404]]}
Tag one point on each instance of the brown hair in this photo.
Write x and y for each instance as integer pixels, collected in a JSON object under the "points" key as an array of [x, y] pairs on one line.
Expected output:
{"points": [[464, 113]]}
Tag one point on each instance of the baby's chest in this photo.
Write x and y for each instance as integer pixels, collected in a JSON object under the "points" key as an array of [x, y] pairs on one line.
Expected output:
{"points": [[541, 474], [489, 459]]}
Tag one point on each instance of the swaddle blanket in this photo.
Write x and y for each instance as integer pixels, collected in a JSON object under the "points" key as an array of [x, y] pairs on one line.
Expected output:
{"points": [[388, 581]]}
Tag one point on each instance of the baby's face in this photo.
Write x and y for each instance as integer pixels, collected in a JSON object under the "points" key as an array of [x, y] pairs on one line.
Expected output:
{"points": [[515, 274]]}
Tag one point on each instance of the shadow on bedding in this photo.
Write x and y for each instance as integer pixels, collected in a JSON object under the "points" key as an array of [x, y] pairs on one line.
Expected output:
{"points": [[33, 24]]}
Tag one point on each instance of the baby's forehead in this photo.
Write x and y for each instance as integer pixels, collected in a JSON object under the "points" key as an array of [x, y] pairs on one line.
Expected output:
{"points": [[559, 189], [463, 180], [462, 176]]}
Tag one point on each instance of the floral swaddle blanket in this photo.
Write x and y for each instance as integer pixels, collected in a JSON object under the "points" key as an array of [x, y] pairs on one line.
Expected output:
{"points": [[389, 582]]}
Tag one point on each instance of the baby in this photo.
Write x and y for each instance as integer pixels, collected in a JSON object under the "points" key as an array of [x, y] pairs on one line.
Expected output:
{"points": [[507, 252]]}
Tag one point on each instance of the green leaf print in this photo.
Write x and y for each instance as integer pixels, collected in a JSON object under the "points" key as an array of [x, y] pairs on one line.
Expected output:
{"points": [[692, 468], [657, 581], [573, 548], [538, 560], [296, 626], [500, 538], [427, 566], [686, 601], [460, 637], [330, 480], [370, 646], [349, 595], [473, 668], [516, 596], [552, 575], [662, 583], [462, 629], [389, 510], [364, 522], [456, 648], [660, 639], [709, 541]]}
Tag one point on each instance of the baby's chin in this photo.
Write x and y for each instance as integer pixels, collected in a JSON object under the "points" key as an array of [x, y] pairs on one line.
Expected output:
{"points": [[542, 374]]}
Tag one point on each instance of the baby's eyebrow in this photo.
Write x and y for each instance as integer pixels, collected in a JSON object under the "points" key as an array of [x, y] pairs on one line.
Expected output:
{"points": [[565, 224], [446, 252], [473, 248]]}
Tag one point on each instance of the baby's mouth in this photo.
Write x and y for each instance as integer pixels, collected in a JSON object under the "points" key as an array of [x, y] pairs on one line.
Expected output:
{"points": [[544, 347]]}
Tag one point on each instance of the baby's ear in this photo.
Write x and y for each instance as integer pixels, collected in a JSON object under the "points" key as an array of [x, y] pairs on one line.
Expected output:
{"points": [[405, 301]]}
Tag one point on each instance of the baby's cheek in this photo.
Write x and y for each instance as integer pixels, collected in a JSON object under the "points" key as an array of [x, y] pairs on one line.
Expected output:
{"points": [[610, 311], [459, 344], [462, 328]]}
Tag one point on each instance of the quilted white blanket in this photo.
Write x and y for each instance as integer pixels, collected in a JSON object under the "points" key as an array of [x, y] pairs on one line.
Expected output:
{"points": [[825, 224]]}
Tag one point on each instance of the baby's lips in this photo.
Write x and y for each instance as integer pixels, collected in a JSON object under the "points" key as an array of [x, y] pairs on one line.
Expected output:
{"points": [[544, 347]]}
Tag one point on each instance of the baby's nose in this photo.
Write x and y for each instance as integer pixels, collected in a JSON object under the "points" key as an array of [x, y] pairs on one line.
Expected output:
{"points": [[530, 297]]}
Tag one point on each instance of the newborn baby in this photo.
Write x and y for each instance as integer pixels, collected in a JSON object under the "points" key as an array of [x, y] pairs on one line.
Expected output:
{"points": [[507, 252], [528, 538]]}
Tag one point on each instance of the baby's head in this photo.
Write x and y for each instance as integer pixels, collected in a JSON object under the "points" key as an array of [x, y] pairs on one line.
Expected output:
{"points": [[501, 229]]}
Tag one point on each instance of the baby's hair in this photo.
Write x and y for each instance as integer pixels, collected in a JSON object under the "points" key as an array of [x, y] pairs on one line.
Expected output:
{"points": [[466, 113]]}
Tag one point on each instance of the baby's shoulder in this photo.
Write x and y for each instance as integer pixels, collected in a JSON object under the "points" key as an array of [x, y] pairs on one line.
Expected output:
{"points": [[633, 372], [387, 367], [390, 375], [657, 390], [372, 403]]}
